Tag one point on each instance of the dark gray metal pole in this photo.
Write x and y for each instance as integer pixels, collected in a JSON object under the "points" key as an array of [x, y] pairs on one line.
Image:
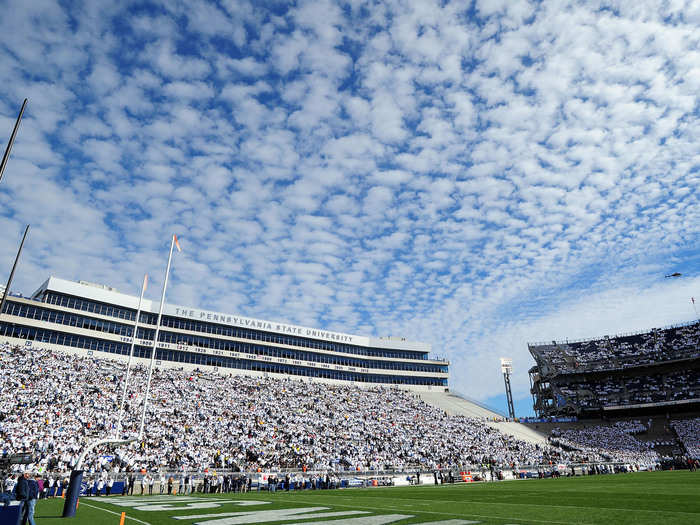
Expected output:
{"points": [[509, 395], [12, 140], [12, 273]]}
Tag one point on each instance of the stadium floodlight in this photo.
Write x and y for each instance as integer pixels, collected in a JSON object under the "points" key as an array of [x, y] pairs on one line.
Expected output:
{"points": [[507, 370], [506, 365]]}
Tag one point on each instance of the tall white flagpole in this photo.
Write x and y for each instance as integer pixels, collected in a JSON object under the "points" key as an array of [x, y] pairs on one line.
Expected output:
{"points": [[131, 354], [155, 339]]}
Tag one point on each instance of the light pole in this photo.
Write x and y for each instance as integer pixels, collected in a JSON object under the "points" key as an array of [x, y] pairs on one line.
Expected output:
{"points": [[507, 369]]}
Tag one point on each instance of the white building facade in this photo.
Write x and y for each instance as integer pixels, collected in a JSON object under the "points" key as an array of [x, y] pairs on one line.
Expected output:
{"points": [[88, 319]]}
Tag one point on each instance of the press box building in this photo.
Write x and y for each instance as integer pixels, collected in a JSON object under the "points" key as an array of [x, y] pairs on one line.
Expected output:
{"points": [[89, 319]]}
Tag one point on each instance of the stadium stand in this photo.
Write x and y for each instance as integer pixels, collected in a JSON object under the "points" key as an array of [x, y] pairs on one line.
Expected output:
{"points": [[617, 439], [53, 403], [688, 432], [653, 372]]}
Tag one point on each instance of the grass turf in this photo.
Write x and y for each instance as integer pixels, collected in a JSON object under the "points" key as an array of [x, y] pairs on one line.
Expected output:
{"points": [[640, 498]]}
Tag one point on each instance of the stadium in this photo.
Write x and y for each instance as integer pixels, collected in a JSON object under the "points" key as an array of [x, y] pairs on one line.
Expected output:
{"points": [[245, 407], [655, 371], [481, 181]]}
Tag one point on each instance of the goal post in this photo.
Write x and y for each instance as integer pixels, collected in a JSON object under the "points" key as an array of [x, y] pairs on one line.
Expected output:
{"points": [[76, 475]]}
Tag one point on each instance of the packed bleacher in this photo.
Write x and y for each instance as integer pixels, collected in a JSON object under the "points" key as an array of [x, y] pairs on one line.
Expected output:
{"points": [[658, 368], [51, 404], [616, 440], [619, 390], [610, 353], [688, 431]]}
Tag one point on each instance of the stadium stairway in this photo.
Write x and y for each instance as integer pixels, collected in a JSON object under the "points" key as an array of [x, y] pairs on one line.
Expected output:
{"points": [[455, 405]]}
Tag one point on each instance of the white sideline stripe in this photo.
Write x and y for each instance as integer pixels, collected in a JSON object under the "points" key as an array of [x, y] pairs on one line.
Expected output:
{"points": [[116, 513]]}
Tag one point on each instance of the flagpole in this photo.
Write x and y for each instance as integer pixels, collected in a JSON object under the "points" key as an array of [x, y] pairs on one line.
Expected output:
{"points": [[131, 354], [155, 339], [8, 149], [12, 272]]}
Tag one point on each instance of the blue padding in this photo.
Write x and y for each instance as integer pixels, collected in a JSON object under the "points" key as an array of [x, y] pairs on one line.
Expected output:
{"points": [[116, 489], [9, 515]]}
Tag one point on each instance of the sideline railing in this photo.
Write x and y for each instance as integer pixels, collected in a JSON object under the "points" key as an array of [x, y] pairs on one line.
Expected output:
{"points": [[425, 473]]}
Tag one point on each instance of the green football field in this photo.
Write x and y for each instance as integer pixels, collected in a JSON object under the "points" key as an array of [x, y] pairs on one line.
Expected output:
{"points": [[640, 498]]}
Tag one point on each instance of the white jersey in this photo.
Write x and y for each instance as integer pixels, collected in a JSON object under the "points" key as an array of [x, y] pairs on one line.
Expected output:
{"points": [[10, 484]]}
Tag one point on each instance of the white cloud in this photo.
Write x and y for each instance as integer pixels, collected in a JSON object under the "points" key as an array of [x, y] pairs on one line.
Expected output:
{"points": [[390, 168]]}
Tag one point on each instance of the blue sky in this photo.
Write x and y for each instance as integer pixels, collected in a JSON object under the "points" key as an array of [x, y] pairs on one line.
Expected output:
{"points": [[475, 176]]}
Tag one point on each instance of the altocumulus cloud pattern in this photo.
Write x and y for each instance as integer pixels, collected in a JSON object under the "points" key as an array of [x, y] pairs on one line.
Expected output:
{"points": [[470, 174]]}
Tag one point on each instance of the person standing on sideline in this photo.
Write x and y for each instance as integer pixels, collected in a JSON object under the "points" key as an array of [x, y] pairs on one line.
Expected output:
{"points": [[22, 495], [151, 481], [100, 486], [33, 497], [43, 486], [10, 484]]}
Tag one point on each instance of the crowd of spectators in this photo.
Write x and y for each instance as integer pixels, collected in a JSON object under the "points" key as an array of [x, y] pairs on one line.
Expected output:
{"points": [[612, 390], [612, 353], [617, 440], [688, 432], [52, 404]]}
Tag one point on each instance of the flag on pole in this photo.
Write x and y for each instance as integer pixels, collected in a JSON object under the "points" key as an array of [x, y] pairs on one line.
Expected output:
{"points": [[145, 281], [693, 299], [177, 243]]}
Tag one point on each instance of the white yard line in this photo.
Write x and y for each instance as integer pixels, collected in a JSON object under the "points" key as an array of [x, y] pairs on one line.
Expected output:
{"points": [[546, 505], [453, 514], [116, 513]]}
